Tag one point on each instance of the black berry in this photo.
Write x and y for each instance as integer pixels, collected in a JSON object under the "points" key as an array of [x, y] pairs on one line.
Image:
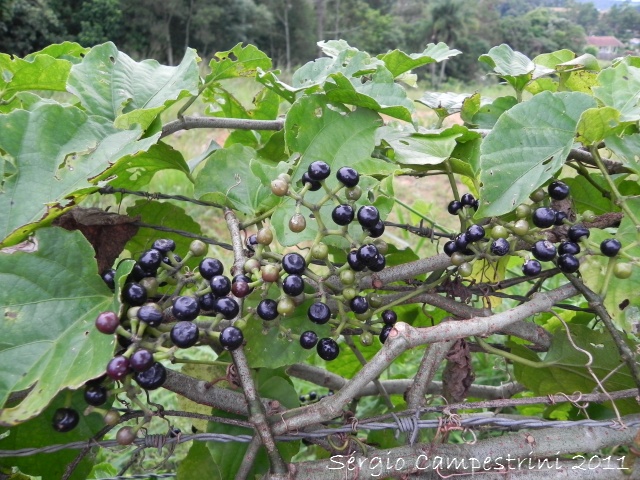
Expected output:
{"points": [[348, 176], [206, 301], [319, 313], [389, 317], [610, 247], [475, 233], [461, 241], [231, 338], [118, 367], [134, 294], [151, 378], [500, 247], [251, 242], [220, 285], [293, 263], [378, 264], [343, 214], [308, 339], [151, 314], [558, 190], [293, 285], [267, 309], [65, 420], [454, 207], [185, 308], [543, 250], [319, 170], [543, 217], [576, 232], [560, 218], [164, 245], [359, 304], [468, 200], [210, 267], [384, 333], [568, 263], [107, 322], [315, 185], [184, 334], [568, 247], [368, 216], [354, 262], [450, 248], [150, 260], [328, 349], [227, 307], [109, 278], [531, 268], [367, 254], [141, 360], [95, 395], [377, 230]]}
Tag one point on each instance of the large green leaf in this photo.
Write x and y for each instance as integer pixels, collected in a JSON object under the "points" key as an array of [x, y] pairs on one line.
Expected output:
{"points": [[586, 197], [619, 87], [528, 145], [419, 149], [71, 51], [55, 150], [236, 177], [596, 124], [516, 68], [621, 297], [42, 72], [488, 114], [399, 62], [112, 85], [320, 131], [198, 463], [50, 298], [444, 103], [238, 62], [380, 94], [564, 368], [38, 432], [627, 150]]}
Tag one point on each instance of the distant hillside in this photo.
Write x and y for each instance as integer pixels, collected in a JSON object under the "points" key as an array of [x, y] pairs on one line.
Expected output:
{"points": [[606, 4]]}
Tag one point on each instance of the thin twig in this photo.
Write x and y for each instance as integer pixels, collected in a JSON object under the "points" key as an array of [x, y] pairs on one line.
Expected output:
{"points": [[249, 458], [187, 123], [363, 361], [428, 368]]}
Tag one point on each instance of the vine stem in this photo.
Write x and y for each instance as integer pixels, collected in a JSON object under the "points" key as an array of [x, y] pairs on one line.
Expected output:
{"points": [[363, 361], [428, 368], [187, 123]]}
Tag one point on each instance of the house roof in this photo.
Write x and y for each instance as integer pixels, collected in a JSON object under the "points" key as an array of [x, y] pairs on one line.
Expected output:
{"points": [[604, 41]]}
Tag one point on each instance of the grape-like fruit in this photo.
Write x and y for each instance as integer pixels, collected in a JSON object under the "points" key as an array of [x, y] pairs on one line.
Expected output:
{"points": [[610, 247], [359, 304], [231, 338], [500, 247], [95, 395], [150, 314], [125, 436], [576, 232], [622, 270], [543, 250], [198, 248], [348, 176], [343, 214], [531, 268], [65, 420], [568, 263], [475, 233], [118, 367], [267, 309], [558, 190], [354, 262], [293, 263], [319, 313], [384, 333], [389, 317], [227, 307], [220, 285], [184, 334], [293, 285], [279, 187], [319, 170], [152, 378], [164, 245], [314, 184], [328, 349], [568, 247], [367, 253], [378, 264], [141, 360], [210, 267], [134, 294], [109, 277], [450, 248], [377, 230], [107, 322], [308, 339], [185, 308], [150, 260], [543, 217], [368, 216], [454, 207]]}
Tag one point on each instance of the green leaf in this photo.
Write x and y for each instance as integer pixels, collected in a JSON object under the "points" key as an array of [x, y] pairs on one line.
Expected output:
{"points": [[38, 432], [621, 295], [620, 88], [134, 172], [320, 131], [56, 151], [110, 84], [198, 463], [489, 113], [238, 62], [102, 470], [516, 68], [50, 298], [41, 72], [586, 197], [528, 145], [398, 62], [627, 150], [444, 104], [236, 177], [269, 80], [564, 367], [419, 149], [380, 94], [553, 59], [597, 123], [70, 51], [470, 107]]}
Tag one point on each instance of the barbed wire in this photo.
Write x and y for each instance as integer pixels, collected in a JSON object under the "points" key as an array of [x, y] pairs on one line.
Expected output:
{"points": [[401, 425]]}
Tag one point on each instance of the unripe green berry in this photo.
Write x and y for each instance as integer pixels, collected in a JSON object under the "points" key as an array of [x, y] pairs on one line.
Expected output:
{"points": [[622, 270], [366, 338], [265, 236], [457, 259], [132, 313], [353, 193], [375, 299], [297, 223], [381, 245], [521, 227], [349, 293], [251, 265], [465, 269], [270, 273], [363, 317], [499, 232], [320, 251], [286, 306], [150, 284], [198, 248], [538, 196], [111, 418], [523, 211], [588, 216], [285, 177], [347, 277]]}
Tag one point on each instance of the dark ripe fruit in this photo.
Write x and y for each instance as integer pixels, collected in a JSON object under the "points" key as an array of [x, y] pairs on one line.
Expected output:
{"points": [[107, 322], [560, 218], [568, 263], [610, 247], [319, 313], [389, 317], [454, 207], [138, 273], [118, 368], [313, 395], [141, 360], [462, 241], [176, 259], [475, 233], [270, 273], [293, 285], [152, 378], [354, 262], [185, 308], [500, 247], [377, 230], [531, 268], [314, 184], [240, 289], [241, 277], [164, 245], [65, 420], [450, 248], [220, 285], [227, 307], [184, 334], [251, 242], [568, 247], [367, 254], [109, 278], [151, 313], [210, 267], [134, 294], [359, 304], [293, 263], [267, 309], [151, 259], [368, 216], [328, 349], [308, 339], [198, 248], [348, 176], [297, 223], [231, 338], [378, 264], [468, 200], [279, 187], [206, 301], [385, 333], [576, 232], [343, 214], [543, 250], [543, 217], [125, 436], [319, 170], [558, 190], [95, 395]]}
